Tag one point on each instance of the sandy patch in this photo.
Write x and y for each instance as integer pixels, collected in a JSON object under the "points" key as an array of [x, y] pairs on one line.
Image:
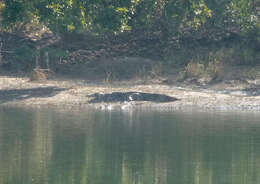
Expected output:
{"points": [[22, 92]]}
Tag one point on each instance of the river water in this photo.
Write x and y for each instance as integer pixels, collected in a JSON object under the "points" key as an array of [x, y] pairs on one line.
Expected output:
{"points": [[87, 146]]}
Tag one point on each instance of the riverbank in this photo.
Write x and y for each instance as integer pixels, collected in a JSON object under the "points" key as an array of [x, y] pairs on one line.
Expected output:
{"points": [[20, 91], [215, 75]]}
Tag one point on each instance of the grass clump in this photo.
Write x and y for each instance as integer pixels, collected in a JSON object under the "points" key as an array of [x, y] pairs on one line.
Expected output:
{"points": [[193, 70], [212, 70], [215, 70]]}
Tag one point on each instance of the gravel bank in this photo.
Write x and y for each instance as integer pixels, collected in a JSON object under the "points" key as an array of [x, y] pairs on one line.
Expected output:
{"points": [[21, 92]]}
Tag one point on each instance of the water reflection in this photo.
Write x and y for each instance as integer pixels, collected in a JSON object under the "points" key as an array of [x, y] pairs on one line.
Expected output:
{"points": [[88, 146]]}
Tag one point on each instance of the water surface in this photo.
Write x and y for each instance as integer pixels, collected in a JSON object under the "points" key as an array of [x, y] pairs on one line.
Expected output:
{"points": [[87, 146]]}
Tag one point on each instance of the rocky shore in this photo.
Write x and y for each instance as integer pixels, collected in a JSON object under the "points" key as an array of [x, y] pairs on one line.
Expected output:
{"points": [[20, 91]]}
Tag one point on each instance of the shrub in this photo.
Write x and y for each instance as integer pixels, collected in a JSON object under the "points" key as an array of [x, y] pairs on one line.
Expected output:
{"points": [[215, 70], [194, 69]]}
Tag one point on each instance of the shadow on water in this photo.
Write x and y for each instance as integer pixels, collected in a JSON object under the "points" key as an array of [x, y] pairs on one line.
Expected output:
{"points": [[130, 96], [23, 94]]}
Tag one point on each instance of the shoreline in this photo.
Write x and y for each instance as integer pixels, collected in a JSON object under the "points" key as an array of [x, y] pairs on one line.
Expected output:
{"points": [[74, 93]]}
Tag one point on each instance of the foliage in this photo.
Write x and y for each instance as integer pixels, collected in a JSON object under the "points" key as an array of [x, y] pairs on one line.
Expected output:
{"points": [[164, 17], [24, 57], [196, 23]]}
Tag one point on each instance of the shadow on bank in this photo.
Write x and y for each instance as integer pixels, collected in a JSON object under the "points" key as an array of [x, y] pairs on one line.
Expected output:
{"points": [[23, 94]]}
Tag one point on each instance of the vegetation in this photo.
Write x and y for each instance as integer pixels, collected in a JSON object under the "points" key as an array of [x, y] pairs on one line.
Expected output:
{"points": [[205, 31]]}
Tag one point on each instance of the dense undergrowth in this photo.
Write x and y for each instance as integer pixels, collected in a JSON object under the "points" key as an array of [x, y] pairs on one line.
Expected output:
{"points": [[114, 40], [128, 56]]}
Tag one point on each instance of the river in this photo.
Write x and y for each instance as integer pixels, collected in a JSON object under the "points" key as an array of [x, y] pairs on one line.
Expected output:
{"points": [[88, 146]]}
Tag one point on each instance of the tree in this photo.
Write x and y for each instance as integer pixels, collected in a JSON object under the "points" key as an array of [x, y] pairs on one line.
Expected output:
{"points": [[166, 18]]}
